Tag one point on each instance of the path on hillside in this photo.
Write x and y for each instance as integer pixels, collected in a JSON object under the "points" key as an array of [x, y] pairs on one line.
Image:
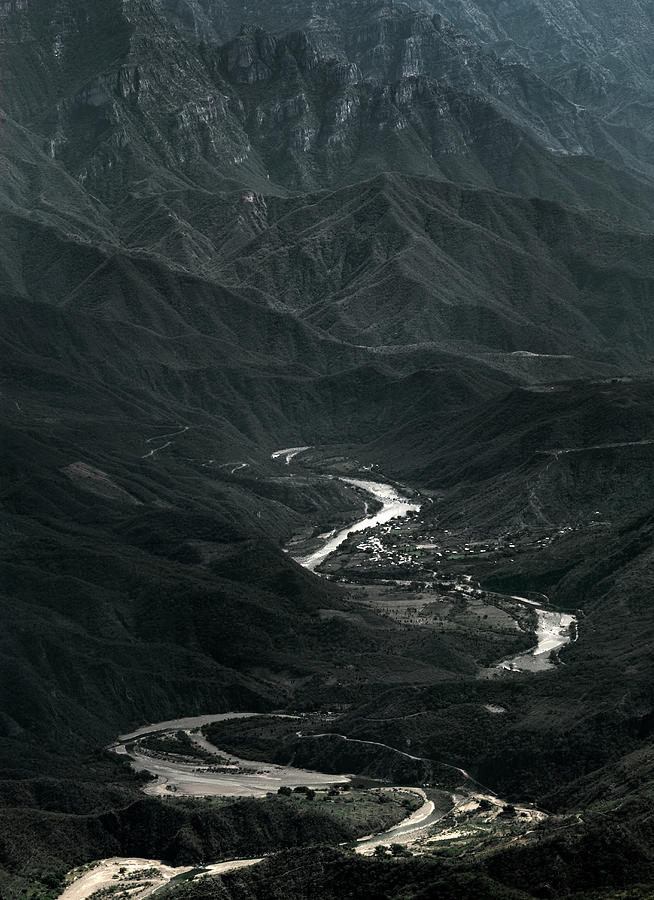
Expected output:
{"points": [[288, 453], [182, 430], [561, 451]]}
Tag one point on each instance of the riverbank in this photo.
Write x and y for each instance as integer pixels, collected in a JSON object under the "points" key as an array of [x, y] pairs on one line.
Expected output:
{"points": [[554, 630], [138, 878], [393, 505], [416, 564], [210, 772]]}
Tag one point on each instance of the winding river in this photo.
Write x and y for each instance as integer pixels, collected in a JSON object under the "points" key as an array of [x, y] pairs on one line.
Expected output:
{"points": [[257, 779], [394, 505], [554, 629], [240, 777]]}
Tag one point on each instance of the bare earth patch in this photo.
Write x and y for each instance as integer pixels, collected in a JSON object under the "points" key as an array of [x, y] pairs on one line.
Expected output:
{"points": [[98, 482]]}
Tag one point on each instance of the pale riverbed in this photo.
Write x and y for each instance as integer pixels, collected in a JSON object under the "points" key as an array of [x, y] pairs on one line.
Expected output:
{"points": [[256, 779], [243, 777], [142, 877], [552, 632], [394, 505]]}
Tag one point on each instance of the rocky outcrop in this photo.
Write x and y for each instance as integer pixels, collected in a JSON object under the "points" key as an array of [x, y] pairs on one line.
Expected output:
{"points": [[597, 54], [387, 87]]}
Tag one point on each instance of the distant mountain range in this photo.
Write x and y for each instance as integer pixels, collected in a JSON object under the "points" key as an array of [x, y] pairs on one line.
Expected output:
{"points": [[415, 234]]}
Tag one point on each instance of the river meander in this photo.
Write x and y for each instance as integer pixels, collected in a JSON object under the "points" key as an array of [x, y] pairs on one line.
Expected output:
{"points": [[394, 505], [554, 629], [239, 777]]}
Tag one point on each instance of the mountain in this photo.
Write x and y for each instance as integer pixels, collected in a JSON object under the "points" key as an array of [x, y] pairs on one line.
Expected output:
{"points": [[597, 56], [413, 261], [412, 236], [438, 114]]}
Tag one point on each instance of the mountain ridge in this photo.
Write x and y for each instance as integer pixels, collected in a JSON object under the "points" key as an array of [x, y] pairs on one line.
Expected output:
{"points": [[358, 227]]}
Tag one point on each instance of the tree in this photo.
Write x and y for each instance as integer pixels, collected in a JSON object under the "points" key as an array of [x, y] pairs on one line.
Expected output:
{"points": [[303, 789]]}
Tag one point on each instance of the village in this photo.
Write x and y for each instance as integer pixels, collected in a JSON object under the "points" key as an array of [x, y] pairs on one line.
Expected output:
{"points": [[418, 576]]}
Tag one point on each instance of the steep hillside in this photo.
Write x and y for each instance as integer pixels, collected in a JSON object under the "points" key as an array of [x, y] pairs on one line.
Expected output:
{"points": [[549, 429], [404, 261], [262, 111], [397, 241], [597, 55]]}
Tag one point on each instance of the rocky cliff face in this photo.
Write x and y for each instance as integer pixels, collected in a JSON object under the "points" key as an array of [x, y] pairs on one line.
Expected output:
{"points": [[408, 71], [383, 87], [615, 39], [568, 42], [146, 128], [128, 143], [144, 104], [569, 62]]}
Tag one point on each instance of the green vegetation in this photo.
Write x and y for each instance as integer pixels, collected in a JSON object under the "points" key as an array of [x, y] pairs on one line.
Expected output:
{"points": [[332, 874], [187, 832], [179, 744], [267, 738]]}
